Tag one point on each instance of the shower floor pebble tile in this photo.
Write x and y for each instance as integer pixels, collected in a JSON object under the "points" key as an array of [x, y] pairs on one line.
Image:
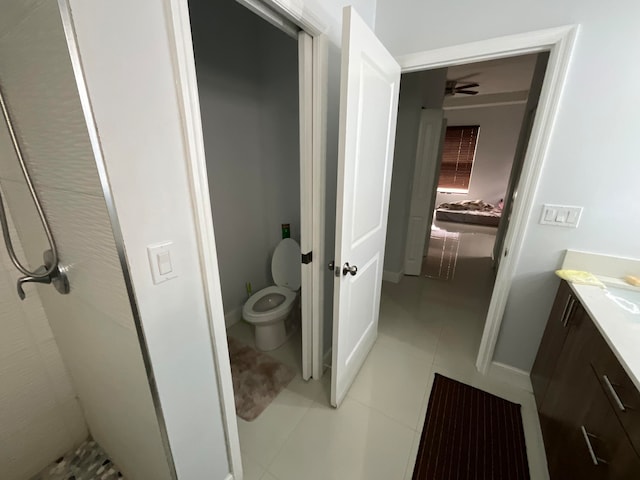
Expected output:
{"points": [[87, 462]]}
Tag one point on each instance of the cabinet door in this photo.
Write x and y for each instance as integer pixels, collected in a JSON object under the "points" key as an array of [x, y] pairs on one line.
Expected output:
{"points": [[603, 450], [565, 402], [552, 342]]}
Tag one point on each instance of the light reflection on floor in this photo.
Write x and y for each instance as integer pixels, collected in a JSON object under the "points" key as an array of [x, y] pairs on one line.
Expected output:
{"points": [[449, 241]]}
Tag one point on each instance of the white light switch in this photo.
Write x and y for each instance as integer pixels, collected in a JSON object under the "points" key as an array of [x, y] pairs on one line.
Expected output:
{"points": [[164, 263], [561, 215], [161, 262]]}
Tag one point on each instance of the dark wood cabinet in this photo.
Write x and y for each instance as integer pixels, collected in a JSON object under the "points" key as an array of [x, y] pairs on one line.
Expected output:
{"points": [[552, 341], [583, 434]]}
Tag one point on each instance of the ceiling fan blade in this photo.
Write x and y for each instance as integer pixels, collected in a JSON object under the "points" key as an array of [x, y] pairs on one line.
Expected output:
{"points": [[468, 85], [467, 92]]}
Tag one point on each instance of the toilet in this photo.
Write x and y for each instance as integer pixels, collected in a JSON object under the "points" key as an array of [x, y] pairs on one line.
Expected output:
{"points": [[271, 310]]}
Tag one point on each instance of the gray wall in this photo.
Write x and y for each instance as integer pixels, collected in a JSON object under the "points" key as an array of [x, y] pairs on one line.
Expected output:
{"points": [[249, 105], [592, 157], [417, 90], [499, 130]]}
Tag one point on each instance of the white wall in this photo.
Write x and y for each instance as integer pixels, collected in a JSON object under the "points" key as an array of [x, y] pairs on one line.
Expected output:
{"points": [[127, 58], [93, 325], [497, 140], [592, 158], [249, 106], [40, 417]]}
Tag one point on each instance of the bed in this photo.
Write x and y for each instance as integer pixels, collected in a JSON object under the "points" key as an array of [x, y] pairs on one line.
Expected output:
{"points": [[476, 212]]}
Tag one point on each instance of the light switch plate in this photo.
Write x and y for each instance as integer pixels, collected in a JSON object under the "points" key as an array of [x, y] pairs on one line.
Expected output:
{"points": [[561, 215], [162, 262]]}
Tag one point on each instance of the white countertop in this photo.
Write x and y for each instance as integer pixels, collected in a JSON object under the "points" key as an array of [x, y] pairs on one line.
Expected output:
{"points": [[616, 313], [615, 310]]}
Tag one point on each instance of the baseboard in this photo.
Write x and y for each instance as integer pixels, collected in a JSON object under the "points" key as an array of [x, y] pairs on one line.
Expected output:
{"points": [[229, 477], [233, 317], [511, 375], [393, 277]]}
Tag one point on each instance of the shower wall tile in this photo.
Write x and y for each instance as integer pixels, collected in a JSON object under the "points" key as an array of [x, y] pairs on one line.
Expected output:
{"points": [[36, 319], [46, 108], [13, 12], [73, 417], [112, 386], [24, 389], [87, 248], [39, 414], [58, 375], [28, 229], [24, 452]]}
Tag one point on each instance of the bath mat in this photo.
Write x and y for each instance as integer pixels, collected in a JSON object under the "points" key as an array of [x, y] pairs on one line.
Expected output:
{"points": [[442, 255], [470, 434], [257, 379]]}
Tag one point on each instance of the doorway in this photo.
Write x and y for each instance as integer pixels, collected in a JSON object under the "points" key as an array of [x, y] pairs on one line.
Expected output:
{"points": [[469, 144], [248, 91]]}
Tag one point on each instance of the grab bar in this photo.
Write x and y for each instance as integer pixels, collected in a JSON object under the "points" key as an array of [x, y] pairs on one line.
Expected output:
{"points": [[50, 272]]}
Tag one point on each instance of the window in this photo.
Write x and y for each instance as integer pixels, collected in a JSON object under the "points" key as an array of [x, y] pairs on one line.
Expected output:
{"points": [[458, 153]]}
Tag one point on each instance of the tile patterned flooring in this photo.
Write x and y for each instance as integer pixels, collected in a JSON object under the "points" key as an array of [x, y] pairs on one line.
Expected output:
{"points": [[426, 326], [87, 462]]}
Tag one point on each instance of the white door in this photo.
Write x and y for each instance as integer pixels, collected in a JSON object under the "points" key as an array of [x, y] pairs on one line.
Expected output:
{"points": [[425, 185], [368, 110]]}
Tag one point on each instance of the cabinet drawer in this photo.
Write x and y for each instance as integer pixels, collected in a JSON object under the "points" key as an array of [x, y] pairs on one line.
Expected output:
{"points": [[622, 393]]}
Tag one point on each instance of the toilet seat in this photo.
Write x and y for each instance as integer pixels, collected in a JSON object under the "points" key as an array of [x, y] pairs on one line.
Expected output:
{"points": [[254, 316]]}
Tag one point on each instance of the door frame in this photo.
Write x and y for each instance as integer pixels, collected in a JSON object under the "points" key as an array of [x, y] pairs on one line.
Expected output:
{"points": [[559, 42], [181, 43]]}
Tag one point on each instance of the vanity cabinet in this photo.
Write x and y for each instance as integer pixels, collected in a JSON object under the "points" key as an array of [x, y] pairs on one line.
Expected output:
{"points": [[553, 340], [586, 403]]}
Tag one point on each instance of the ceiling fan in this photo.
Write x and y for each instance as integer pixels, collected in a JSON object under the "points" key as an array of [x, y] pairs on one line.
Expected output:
{"points": [[454, 87]]}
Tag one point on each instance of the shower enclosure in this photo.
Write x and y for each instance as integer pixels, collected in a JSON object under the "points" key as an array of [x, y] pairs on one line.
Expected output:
{"points": [[74, 368]]}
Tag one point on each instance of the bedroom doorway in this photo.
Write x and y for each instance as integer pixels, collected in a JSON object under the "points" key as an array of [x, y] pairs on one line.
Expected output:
{"points": [[469, 154], [471, 128]]}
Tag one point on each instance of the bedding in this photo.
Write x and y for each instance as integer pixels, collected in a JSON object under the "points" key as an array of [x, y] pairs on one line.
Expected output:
{"points": [[476, 212]]}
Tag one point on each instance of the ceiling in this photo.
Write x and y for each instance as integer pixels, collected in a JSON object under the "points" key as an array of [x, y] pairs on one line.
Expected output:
{"points": [[505, 75]]}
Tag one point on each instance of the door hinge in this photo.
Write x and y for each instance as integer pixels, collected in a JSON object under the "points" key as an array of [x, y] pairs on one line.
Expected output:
{"points": [[307, 258]]}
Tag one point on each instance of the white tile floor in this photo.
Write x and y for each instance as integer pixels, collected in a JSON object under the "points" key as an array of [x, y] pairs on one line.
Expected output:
{"points": [[426, 326]]}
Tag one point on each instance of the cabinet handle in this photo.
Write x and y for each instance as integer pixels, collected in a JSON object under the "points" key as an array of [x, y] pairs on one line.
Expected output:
{"points": [[614, 394], [568, 311], [596, 461]]}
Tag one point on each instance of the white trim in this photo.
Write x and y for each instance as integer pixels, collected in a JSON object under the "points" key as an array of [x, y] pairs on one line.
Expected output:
{"points": [[187, 92], [491, 49], [231, 477], [274, 18], [305, 94], [232, 317], [393, 277], [559, 41], [319, 141], [510, 375], [296, 11]]}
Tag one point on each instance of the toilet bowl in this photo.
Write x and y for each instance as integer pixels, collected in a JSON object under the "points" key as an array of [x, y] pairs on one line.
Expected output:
{"points": [[271, 310]]}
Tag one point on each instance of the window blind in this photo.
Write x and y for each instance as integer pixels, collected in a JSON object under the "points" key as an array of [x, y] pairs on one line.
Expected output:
{"points": [[458, 153]]}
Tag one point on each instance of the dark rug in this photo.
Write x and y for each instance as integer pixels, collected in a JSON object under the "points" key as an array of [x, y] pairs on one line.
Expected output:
{"points": [[257, 379], [470, 434]]}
